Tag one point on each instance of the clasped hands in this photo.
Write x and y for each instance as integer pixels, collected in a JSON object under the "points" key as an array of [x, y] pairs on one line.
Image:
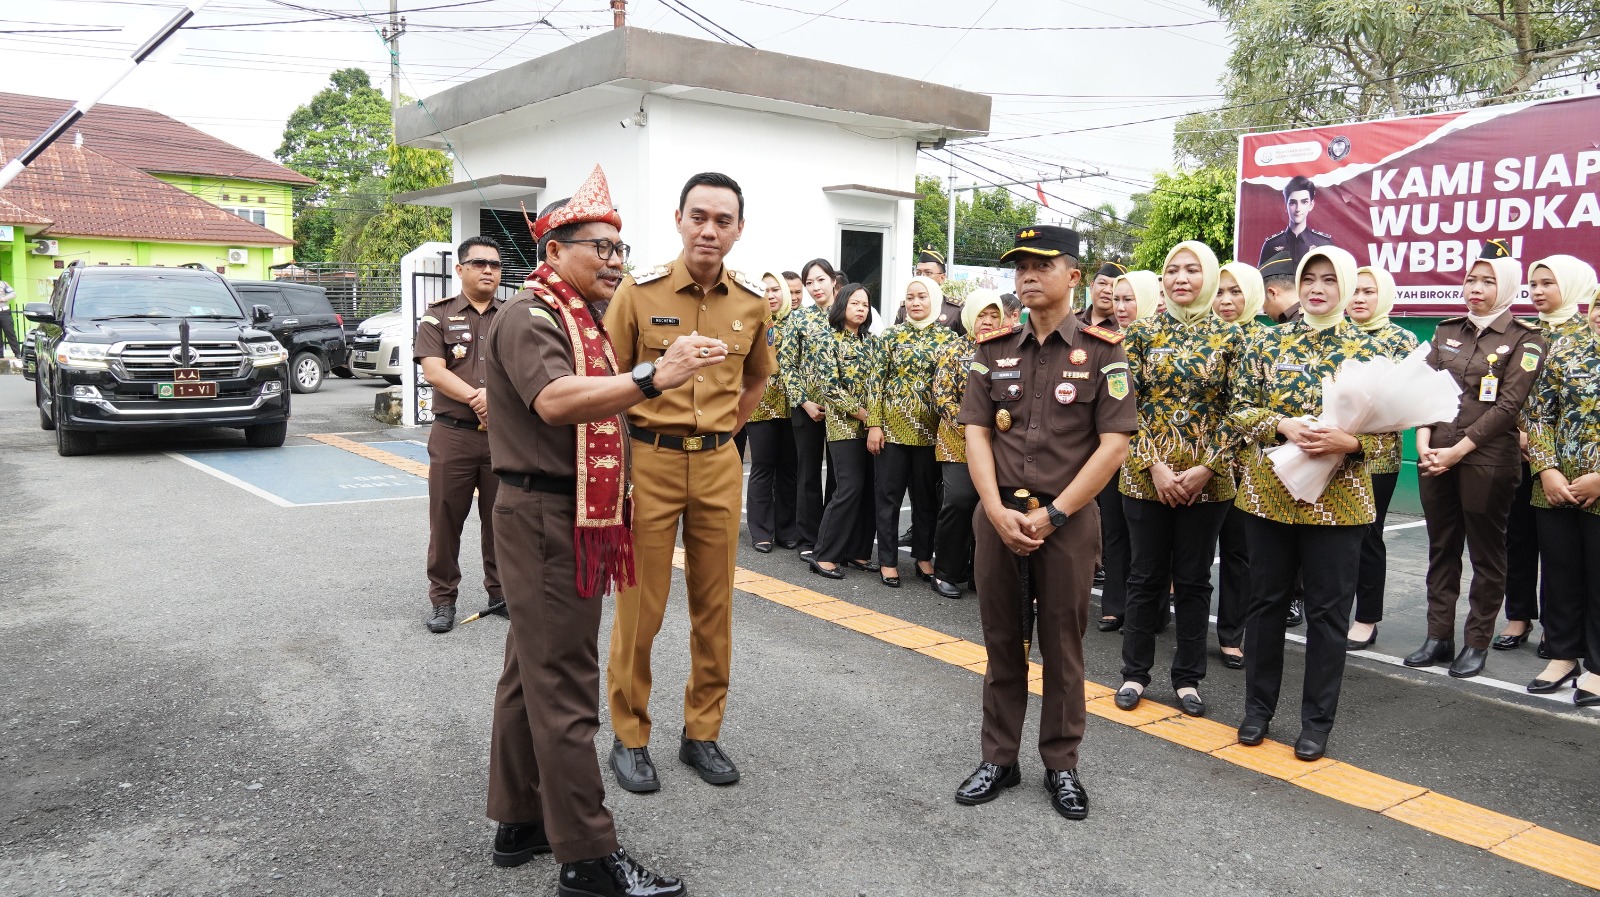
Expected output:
{"points": [[1179, 489], [1316, 439], [1022, 532]]}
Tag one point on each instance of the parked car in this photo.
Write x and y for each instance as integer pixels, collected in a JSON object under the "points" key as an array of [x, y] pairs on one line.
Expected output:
{"points": [[306, 325], [131, 347], [376, 347]]}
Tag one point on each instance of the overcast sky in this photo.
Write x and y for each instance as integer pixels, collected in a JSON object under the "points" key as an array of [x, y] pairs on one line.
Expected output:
{"points": [[241, 83]]}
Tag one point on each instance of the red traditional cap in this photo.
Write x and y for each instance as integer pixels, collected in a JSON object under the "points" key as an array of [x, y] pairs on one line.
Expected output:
{"points": [[592, 202]]}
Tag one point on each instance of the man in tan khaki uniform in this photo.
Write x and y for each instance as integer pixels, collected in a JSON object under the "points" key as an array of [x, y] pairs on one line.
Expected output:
{"points": [[685, 468]]}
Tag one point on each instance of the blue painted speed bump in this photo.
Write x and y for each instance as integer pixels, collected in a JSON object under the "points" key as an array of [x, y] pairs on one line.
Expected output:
{"points": [[405, 448], [302, 475]]}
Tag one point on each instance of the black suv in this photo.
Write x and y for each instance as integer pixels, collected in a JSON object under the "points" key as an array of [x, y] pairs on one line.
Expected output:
{"points": [[305, 323], [123, 348]]}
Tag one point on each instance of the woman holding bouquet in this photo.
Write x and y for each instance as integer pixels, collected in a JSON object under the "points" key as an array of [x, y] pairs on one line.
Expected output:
{"points": [[1564, 452], [1369, 311], [1177, 482], [1240, 297], [1468, 467], [1280, 383]]}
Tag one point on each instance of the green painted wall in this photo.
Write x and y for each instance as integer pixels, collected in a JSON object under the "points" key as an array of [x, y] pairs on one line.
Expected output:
{"points": [[238, 194], [38, 273]]}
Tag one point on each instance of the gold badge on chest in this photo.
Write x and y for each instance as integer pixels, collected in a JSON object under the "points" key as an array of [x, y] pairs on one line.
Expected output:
{"points": [[1002, 420], [738, 326]]}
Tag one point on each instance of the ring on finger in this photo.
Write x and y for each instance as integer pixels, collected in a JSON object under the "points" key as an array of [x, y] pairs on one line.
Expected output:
{"points": [[705, 351]]}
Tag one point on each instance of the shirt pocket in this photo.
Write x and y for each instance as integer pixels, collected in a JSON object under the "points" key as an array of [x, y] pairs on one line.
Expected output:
{"points": [[1069, 404], [654, 341], [730, 372]]}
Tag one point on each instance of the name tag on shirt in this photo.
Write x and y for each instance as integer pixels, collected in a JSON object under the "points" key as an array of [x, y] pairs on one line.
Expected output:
{"points": [[664, 322], [1164, 350], [1297, 368], [460, 327], [1006, 375]]}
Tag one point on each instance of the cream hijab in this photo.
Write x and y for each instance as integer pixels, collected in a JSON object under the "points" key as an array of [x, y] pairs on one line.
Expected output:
{"points": [[975, 303], [1209, 272], [1344, 268], [1576, 280], [1386, 294], [1146, 291], [1507, 279], [1255, 293], [935, 300], [774, 317]]}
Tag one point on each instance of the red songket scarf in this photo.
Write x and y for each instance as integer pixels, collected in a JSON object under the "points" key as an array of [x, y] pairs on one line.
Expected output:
{"points": [[601, 537]]}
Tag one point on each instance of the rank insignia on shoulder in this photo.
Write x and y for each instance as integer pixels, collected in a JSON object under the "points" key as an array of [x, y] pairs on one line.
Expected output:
{"points": [[1527, 325], [993, 335], [1455, 320], [651, 274], [440, 300], [1111, 336], [747, 283]]}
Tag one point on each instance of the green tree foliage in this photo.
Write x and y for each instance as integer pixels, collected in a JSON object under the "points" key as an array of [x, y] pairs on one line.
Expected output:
{"points": [[1299, 63], [340, 138], [392, 230], [986, 221], [1106, 236], [1187, 205]]}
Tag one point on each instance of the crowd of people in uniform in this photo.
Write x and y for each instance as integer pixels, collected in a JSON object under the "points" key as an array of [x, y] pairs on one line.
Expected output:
{"points": [[600, 415]]}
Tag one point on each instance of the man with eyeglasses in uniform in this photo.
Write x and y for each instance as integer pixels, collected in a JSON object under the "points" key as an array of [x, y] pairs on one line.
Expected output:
{"points": [[449, 346]]}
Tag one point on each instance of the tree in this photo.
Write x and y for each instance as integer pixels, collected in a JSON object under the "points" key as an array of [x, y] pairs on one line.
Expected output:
{"points": [[1188, 205], [340, 138], [1106, 236], [985, 224], [1299, 63], [394, 230]]}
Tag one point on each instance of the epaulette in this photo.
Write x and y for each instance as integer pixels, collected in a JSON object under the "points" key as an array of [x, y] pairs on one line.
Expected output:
{"points": [[648, 275], [1456, 320], [1526, 325], [1111, 336], [1320, 233], [439, 300], [957, 301], [747, 283], [993, 335]]}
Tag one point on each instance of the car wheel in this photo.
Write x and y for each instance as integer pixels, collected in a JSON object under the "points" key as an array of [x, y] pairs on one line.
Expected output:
{"points": [[46, 422], [70, 442], [343, 373], [306, 373], [391, 379], [266, 435]]}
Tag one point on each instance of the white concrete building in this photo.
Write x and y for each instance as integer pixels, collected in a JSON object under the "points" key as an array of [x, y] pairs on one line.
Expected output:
{"points": [[826, 154]]}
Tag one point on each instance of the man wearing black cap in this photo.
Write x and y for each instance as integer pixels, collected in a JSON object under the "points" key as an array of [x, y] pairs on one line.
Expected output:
{"points": [[930, 264], [1099, 310], [1299, 198], [1282, 300], [1048, 412]]}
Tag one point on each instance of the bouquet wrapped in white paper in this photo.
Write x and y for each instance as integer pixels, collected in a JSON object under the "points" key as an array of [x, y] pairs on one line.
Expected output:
{"points": [[1376, 396]]}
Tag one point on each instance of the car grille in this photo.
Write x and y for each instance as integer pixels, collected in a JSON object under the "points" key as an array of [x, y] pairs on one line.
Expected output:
{"points": [[366, 343], [153, 361]]}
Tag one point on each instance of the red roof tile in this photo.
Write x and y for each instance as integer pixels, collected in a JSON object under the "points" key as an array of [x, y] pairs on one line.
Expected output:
{"points": [[11, 213], [85, 194], [146, 140]]}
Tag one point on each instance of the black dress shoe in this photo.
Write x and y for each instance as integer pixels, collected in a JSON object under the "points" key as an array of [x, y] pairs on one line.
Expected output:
{"points": [[1469, 662], [1297, 612], [634, 769], [824, 572], [925, 577], [764, 547], [1100, 576], [1109, 624], [708, 760], [516, 843], [863, 566], [1192, 705], [1511, 642], [1066, 793], [1351, 644], [1546, 686], [1311, 745], [1233, 661], [443, 618], [1253, 731], [1585, 698], [906, 537], [615, 875], [986, 783], [1128, 698], [1433, 650], [892, 582], [946, 589], [1544, 650], [788, 544]]}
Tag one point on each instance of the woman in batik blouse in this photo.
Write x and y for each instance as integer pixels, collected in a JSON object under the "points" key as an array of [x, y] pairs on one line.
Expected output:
{"points": [[1240, 296], [771, 497], [846, 375]]}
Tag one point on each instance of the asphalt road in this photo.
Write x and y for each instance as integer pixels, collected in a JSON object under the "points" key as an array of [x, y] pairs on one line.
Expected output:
{"points": [[207, 693]]}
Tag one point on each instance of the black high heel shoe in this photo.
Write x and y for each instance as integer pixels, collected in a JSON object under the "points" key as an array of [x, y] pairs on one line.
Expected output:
{"points": [[1547, 686], [925, 577], [1351, 644], [892, 582], [1511, 642], [824, 572], [863, 566]]}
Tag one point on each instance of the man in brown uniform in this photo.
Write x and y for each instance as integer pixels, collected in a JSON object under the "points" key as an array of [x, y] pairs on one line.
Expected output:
{"points": [[1099, 310], [557, 396], [449, 346], [1049, 411], [685, 469]]}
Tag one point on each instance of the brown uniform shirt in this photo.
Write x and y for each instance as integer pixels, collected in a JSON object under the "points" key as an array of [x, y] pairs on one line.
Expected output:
{"points": [[1087, 317], [1518, 349], [654, 307], [527, 349], [453, 330], [1060, 395]]}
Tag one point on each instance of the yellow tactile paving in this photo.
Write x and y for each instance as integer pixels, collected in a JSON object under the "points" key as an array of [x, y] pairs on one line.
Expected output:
{"points": [[742, 576], [798, 598], [958, 653], [1203, 735], [915, 637], [1357, 787], [373, 454], [1092, 690], [1554, 853], [1146, 712], [1457, 820], [873, 624], [833, 610], [1274, 758]]}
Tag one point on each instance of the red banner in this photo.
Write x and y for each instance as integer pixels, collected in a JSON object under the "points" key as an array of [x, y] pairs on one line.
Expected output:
{"points": [[1418, 196]]}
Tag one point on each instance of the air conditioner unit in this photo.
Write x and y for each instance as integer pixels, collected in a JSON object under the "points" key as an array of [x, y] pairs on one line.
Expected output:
{"points": [[238, 256], [46, 247]]}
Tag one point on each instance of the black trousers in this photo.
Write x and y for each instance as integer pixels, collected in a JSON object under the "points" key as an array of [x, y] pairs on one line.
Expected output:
{"points": [[848, 521], [810, 443], [1467, 505], [8, 332], [1569, 545], [770, 504], [1324, 558], [1522, 554], [1233, 586], [901, 467], [1169, 545], [1114, 551], [1374, 570], [952, 540]]}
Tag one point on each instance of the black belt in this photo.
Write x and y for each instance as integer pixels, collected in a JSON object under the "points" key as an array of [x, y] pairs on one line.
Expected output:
{"points": [[680, 443], [533, 482], [1023, 500], [458, 424]]}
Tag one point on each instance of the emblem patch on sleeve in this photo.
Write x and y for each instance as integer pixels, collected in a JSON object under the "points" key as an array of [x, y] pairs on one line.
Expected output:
{"points": [[1117, 384]]}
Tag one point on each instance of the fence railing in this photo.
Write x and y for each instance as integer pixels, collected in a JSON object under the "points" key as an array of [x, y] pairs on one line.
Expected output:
{"points": [[357, 291]]}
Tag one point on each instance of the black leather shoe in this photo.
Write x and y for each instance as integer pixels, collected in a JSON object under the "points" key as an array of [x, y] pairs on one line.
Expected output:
{"points": [[634, 769], [1100, 577], [1233, 661], [1511, 642], [824, 572], [1297, 613], [708, 760], [442, 619], [1310, 745], [986, 783], [516, 843], [905, 537], [1128, 698], [1469, 662], [1585, 698], [807, 554], [1544, 650], [1192, 705], [1066, 793], [616, 875], [892, 582], [946, 589], [1253, 731], [1546, 686], [788, 544], [863, 566], [1351, 644], [763, 547], [497, 608], [1433, 650], [1109, 624]]}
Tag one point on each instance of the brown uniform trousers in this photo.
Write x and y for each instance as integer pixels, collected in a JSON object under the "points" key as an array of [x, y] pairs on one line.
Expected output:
{"points": [[458, 466]]}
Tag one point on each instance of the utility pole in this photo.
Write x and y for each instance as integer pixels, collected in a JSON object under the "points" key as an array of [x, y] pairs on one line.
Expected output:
{"points": [[1065, 175], [950, 224], [619, 13], [391, 36]]}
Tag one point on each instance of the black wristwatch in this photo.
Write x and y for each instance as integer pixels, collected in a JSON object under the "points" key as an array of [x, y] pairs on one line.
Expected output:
{"points": [[644, 376], [1058, 517]]}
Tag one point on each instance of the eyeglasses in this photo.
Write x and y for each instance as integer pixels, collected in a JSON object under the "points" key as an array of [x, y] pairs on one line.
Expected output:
{"points": [[482, 264], [606, 249]]}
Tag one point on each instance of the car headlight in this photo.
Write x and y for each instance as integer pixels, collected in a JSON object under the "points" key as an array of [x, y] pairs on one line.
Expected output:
{"points": [[82, 356], [266, 354]]}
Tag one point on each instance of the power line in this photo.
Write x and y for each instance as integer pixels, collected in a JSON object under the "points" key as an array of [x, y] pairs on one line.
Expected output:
{"points": [[685, 11], [932, 26]]}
